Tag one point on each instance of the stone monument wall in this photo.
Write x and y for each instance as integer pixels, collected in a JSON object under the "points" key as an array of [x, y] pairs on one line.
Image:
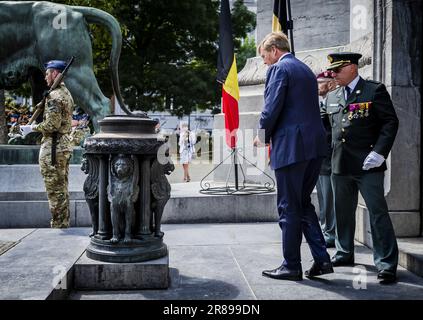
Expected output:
{"points": [[317, 24]]}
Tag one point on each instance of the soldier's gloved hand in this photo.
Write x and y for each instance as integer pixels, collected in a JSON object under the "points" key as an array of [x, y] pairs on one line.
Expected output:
{"points": [[373, 160], [26, 129]]}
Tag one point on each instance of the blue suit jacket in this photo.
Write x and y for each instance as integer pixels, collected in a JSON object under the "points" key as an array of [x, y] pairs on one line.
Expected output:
{"points": [[291, 116]]}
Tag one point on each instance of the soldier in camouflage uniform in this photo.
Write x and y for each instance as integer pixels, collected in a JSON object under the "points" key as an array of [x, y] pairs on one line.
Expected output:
{"points": [[57, 117]]}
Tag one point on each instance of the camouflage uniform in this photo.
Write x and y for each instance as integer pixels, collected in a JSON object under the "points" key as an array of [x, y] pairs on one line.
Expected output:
{"points": [[78, 135], [57, 118]]}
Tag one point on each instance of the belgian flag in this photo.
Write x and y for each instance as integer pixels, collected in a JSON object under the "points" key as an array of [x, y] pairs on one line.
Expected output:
{"points": [[227, 75], [280, 16]]}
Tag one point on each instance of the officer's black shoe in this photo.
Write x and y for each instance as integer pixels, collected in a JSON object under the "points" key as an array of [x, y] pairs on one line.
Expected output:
{"points": [[330, 244], [282, 273], [336, 262], [318, 269], [386, 276]]}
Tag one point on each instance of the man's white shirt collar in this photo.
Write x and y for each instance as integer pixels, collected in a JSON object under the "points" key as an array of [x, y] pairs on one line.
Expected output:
{"points": [[283, 56], [352, 85]]}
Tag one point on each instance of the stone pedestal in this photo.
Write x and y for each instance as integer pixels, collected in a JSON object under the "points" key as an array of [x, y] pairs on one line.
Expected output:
{"points": [[90, 274]]}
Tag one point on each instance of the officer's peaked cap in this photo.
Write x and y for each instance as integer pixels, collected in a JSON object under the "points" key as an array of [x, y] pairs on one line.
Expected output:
{"points": [[56, 64], [340, 59]]}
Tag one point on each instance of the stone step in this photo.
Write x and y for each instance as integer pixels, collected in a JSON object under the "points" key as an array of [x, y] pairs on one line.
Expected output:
{"points": [[187, 205], [411, 254], [40, 265], [28, 154]]}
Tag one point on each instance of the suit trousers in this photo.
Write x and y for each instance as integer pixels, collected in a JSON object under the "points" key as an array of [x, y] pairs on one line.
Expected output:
{"points": [[370, 185], [297, 214], [326, 209]]}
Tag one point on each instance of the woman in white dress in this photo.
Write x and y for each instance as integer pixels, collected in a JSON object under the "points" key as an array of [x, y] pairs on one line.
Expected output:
{"points": [[187, 140]]}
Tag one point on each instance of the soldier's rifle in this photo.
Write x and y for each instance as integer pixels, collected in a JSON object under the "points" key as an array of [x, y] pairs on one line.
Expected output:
{"points": [[40, 106]]}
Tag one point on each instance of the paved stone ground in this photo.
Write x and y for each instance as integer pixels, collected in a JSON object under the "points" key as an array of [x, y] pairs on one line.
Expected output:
{"points": [[207, 261], [198, 169], [37, 263], [225, 261], [6, 245]]}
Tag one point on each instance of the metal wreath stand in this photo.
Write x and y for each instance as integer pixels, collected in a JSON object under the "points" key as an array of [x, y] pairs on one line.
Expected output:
{"points": [[235, 188]]}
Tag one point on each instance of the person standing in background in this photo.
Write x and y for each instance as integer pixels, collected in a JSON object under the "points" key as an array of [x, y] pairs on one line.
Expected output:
{"points": [[187, 140], [325, 84]]}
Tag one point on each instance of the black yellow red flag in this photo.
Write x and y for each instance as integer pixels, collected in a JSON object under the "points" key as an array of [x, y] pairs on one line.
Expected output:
{"points": [[280, 14], [227, 74]]}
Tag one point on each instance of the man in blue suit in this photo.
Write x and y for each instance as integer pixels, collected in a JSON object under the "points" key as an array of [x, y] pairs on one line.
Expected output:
{"points": [[291, 123]]}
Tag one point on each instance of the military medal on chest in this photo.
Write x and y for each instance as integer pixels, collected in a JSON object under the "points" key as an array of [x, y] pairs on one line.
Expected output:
{"points": [[367, 108], [358, 110]]}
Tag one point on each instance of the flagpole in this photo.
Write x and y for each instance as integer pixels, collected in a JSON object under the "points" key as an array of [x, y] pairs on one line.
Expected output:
{"points": [[235, 168], [290, 26]]}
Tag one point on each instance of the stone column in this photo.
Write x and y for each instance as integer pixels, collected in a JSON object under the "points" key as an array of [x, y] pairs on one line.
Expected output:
{"points": [[264, 18], [395, 39], [401, 71]]}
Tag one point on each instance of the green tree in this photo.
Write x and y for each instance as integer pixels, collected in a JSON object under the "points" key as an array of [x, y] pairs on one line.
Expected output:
{"points": [[23, 91], [3, 124], [169, 52], [245, 51]]}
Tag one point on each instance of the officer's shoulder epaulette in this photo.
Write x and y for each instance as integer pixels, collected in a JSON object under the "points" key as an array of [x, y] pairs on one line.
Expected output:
{"points": [[374, 82]]}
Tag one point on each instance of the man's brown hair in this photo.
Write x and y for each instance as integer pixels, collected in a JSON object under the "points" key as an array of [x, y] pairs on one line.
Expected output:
{"points": [[276, 39]]}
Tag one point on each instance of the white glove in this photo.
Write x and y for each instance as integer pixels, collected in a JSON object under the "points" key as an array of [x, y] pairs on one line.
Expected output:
{"points": [[26, 129], [373, 160]]}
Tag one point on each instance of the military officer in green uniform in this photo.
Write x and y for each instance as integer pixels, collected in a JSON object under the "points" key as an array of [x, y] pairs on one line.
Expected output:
{"points": [[364, 126], [326, 83], [54, 160]]}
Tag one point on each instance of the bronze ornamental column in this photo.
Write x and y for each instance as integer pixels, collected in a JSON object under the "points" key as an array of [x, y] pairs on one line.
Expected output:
{"points": [[126, 212]]}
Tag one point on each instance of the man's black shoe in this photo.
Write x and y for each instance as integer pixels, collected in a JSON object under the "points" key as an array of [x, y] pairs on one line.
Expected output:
{"points": [[318, 269], [386, 276], [341, 262], [282, 273], [330, 244]]}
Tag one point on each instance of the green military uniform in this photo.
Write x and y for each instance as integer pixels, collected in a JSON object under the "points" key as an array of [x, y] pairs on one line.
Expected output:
{"points": [[365, 122], [324, 186], [57, 118]]}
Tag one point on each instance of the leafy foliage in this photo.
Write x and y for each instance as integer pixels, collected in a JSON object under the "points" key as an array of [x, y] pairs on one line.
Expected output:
{"points": [[169, 51], [246, 50]]}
